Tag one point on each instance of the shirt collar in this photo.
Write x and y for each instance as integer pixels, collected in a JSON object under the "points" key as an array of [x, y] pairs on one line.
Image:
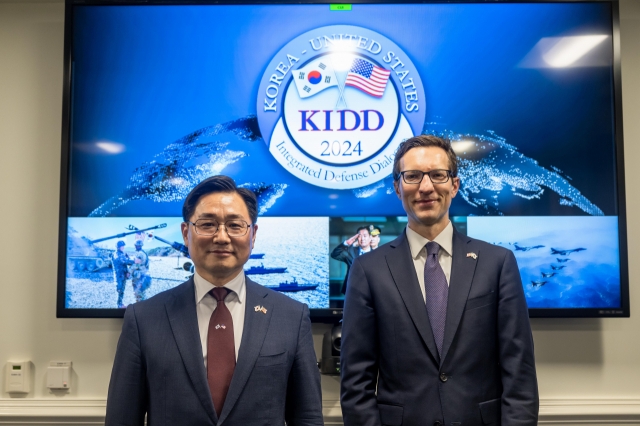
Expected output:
{"points": [[362, 251], [417, 241], [236, 285]]}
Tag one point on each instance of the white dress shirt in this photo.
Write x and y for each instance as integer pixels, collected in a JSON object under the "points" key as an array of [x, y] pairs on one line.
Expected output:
{"points": [[206, 304], [360, 252], [417, 245]]}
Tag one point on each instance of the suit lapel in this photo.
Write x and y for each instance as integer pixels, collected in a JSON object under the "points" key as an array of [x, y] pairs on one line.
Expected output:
{"points": [[403, 272], [181, 310], [462, 271], [253, 334]]}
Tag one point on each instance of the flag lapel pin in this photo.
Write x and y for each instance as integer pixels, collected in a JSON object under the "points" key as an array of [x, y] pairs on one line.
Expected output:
{"points": [[473, 255]]}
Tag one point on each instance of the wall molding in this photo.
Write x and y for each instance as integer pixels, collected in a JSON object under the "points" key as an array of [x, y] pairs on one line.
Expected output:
{"points": [[52, 412], [590, 411], [91, 412]]}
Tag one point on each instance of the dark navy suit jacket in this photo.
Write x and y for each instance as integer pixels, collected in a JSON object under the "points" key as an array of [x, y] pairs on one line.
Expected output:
{"points": [[159, 370], [346, 254], [487, 373]]}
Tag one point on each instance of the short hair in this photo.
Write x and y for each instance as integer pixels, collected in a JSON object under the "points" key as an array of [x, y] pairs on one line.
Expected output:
{"points": [[425, 141], [219, 183], [363, 227]]}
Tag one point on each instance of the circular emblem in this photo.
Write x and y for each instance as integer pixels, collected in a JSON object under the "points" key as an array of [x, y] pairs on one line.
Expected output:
{"points": [[314, 77], [335, 103]]}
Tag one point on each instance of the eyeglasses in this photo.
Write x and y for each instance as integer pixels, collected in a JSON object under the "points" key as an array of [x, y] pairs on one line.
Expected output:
{"points": [[414, 177], [209, 227]]}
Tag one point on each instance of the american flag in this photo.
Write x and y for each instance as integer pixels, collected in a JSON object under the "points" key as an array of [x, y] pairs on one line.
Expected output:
{"points": [[367, 77]]}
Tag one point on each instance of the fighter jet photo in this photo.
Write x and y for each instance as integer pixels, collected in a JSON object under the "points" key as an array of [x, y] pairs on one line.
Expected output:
{"points": [[558, 267], [538, 283], [549, 274], [566, 252], [522, 248], [562, 260]]}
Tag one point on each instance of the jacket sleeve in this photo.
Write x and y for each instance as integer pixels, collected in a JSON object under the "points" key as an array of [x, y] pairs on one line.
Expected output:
{"points": [[520, 386], [341, 253], [127, 398], [359, 353], [304, 396]]}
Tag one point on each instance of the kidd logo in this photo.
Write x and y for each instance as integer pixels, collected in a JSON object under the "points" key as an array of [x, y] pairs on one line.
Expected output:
{"points": [[335, 103]]}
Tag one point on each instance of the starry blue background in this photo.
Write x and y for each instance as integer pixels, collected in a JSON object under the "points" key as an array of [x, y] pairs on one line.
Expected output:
{"points": [[145, 76]]}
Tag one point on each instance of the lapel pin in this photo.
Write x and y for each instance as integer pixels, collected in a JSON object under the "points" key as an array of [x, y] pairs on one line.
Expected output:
{"points": [[473, 255], [259, 308], [263, 310]]}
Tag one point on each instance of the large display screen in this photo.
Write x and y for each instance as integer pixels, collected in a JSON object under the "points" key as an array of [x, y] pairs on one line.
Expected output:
{"points": [[306, 104]]}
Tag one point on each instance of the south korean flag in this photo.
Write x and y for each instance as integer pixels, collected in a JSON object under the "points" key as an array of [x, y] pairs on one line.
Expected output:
{"points": [[314, 77]]}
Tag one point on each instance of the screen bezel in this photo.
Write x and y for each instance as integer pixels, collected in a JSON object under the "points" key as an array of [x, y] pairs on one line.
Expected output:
{"points": [[333, 315]]}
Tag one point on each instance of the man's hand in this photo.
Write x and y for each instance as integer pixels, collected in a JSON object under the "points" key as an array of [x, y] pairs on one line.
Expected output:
{"points": [[352, 240]]}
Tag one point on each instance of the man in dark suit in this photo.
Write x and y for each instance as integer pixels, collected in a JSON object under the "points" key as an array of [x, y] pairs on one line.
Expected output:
{"points": [[219, 348], [347, 251], [436, 328]]}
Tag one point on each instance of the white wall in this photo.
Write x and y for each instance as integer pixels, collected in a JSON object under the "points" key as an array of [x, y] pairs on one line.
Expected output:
{"points": [[31, 51], [585, 360], [600, 358]]}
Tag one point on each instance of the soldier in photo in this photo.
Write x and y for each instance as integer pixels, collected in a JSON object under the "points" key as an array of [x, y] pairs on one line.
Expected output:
{"points": [[121, 263], [352, 248], [375, 236], [140, 272]]}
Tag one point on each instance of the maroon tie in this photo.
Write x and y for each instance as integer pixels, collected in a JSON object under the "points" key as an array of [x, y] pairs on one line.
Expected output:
{"points": [[221, 351]]}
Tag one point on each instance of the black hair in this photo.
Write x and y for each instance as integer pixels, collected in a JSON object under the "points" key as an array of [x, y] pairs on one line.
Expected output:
{"points": [[361, 228], [219, 183]]}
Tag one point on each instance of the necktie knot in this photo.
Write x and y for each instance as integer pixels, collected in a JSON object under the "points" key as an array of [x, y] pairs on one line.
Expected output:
{"points": [[432, 248], [219, 293]]}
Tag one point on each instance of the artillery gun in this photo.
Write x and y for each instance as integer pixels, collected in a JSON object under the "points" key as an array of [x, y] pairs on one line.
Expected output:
{"points": [[175, 245], [84, 256], [180, 248], [184, 250]]}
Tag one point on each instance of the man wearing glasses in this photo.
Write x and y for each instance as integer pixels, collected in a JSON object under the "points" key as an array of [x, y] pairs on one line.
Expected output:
{"points": [[218, 348], [436, 328]]}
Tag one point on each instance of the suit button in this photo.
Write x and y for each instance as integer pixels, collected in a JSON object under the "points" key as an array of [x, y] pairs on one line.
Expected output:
{"points": [[443, 377], [437, 423]]}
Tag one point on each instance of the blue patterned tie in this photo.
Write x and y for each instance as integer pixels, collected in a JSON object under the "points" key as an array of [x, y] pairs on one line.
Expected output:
{"points": [[437, 293]]}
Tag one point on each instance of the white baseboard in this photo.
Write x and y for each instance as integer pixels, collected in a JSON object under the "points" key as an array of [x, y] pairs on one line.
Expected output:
{"points": [[90, 412], [590, 412], [52, 412]]}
